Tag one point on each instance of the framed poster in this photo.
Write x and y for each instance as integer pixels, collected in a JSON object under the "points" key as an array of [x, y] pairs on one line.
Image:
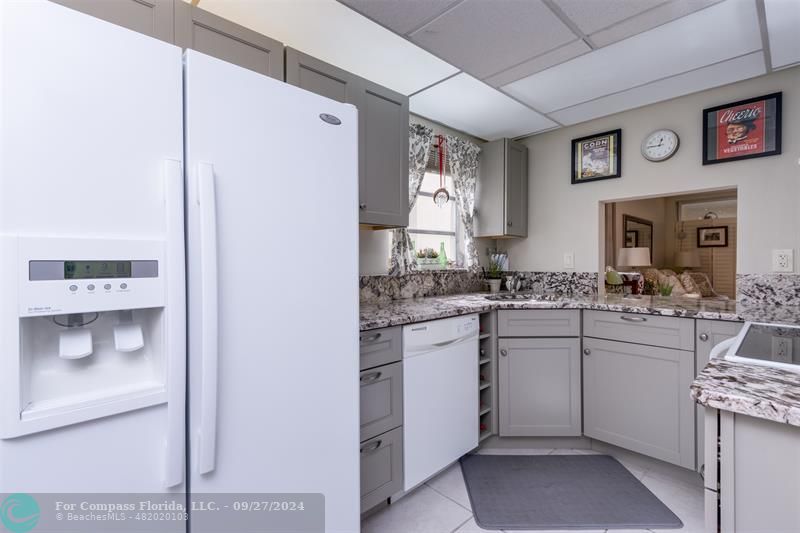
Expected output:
{"points": [[712, 237], [597, 157], [742, 130]]}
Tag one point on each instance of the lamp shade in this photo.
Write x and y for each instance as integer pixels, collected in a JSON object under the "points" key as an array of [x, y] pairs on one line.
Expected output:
{"points": [[633, 257], [687, 259]]}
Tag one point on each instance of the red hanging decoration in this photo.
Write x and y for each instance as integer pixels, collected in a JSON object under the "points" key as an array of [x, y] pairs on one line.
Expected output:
{"points": [[441, 196]]}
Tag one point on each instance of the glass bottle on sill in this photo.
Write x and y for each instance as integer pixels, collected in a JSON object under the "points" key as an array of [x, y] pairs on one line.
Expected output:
{"points": [[442, 256]]}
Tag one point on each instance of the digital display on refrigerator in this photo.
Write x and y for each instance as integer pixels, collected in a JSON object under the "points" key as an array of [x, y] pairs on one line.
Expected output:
{"points": [[96, 269]]}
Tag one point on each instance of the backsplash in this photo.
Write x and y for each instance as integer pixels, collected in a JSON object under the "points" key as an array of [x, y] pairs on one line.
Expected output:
{"points": [[376, 289], [769, 289]]}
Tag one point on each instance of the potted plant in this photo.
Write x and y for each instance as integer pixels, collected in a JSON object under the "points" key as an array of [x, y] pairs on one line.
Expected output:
{"points": [[493, 274], [428, 259]]}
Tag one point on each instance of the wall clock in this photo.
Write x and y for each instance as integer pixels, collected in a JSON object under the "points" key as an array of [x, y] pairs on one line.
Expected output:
{"points": [[660, 145]]}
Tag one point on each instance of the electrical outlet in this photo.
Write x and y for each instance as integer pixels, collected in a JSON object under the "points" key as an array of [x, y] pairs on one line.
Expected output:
{"points": [[569, 260], [782, 349], [783, 260]]}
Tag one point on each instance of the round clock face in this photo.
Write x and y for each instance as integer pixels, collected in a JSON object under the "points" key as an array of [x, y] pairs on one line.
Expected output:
{"points": [[660, 145]]}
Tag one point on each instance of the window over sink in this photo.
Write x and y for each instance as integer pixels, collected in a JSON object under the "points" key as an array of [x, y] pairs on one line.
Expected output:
{"points": [[430, 225]]}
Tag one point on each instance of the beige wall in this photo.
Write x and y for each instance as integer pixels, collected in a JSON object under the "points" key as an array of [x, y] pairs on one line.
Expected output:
{"points": [[374, 246], [567, 218]]}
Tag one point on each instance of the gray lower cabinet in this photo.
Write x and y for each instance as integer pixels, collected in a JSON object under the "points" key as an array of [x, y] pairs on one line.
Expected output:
{"points": [[150, 17], [210, 34], [759, 475], [380, 347], [539, 387], [383, 135], [381, 468], [637, 397], [381, 400], [501, 198], [709, 333]]}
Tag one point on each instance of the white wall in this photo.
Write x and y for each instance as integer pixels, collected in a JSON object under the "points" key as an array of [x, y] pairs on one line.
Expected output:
{"points": [[564, 217], [375, 246]]}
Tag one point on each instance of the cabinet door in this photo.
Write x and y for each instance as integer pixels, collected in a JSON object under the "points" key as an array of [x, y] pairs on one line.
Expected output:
{"points": [[540, 387], [490, 199], [318, 77], [207, 33], [709, 334], [516, 189], [637, 397], [150, 17], [381, 400], [383, 137]]}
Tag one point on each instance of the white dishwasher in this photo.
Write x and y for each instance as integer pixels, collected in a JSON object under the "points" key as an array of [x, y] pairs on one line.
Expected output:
{"points": [[440, 395]]}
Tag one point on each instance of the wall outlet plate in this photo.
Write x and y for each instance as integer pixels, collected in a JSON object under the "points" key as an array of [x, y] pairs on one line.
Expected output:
{"points": [[782, 349], [569, 260], [783, 260]]}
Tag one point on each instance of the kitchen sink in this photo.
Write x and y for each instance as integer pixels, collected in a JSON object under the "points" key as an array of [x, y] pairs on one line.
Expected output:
{"points": [[524, 296]]}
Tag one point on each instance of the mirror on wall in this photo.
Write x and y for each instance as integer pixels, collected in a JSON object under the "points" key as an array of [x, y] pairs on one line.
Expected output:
{"points": [[637, 233]]}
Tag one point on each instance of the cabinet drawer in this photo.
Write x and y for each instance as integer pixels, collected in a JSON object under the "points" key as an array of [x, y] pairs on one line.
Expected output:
{"points": [[664, 331], [539, 323], [381, 399], [381, 347], [381, 468]]}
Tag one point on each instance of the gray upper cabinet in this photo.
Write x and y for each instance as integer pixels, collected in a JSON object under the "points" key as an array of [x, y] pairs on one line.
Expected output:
{"points": [[540, 387], [501, 199], [383, 135], [207, 33], [150, 17]]}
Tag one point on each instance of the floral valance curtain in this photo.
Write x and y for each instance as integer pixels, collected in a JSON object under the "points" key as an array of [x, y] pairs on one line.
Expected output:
{"points": [[419, 142], [462, 156]]}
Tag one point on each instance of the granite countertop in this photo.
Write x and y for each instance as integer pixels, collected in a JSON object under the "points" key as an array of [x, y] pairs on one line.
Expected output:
{"points": [[759, 391], [408, 311]]}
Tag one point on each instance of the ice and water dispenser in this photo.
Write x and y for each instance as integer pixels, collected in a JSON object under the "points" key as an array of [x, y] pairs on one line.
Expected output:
{"points": [[90, 330]]}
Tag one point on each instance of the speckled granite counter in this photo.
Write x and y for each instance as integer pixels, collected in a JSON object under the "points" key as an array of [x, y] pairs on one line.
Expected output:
{"points": [[758, 391], [408, 311]]}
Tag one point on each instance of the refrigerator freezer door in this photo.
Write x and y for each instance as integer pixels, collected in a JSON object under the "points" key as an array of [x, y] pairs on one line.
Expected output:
{"points": [[285, 366], [91, 114]]}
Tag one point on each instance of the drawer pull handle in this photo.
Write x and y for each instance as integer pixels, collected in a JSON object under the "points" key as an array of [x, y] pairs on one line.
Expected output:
{"points": [[704, 337], [371, 338], [634, 318], [369, 378], [372, 446]]}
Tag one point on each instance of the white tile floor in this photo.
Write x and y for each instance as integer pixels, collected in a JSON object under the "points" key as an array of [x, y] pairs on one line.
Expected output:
{"points": [[442, 506]]}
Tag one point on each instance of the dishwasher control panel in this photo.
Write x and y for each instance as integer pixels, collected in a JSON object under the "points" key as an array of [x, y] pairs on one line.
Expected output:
{"points": [[429, 336]]}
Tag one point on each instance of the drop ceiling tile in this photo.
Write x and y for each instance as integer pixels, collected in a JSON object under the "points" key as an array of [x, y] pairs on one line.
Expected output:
{"points": [[591, 15], [783, 21], [485, 37], [648, 20], [469, 105], [721, 32], [539, 63], [401, 16], [338, 35], [701, 79]]}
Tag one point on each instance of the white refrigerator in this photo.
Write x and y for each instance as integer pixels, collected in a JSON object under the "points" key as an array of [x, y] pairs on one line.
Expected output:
{"points": [[178, 256]]}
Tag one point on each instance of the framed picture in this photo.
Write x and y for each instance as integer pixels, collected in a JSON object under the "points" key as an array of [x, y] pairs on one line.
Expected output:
{"points": [[631, 239], [597, 157], [712, 237], [742, 130]]}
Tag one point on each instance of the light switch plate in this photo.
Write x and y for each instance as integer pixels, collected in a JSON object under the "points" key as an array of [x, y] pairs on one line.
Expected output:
{"points": [[569, 260], [783, 260]]}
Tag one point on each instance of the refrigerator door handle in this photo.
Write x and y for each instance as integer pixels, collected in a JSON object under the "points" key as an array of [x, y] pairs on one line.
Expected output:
{"points": [[209, 346], [176, 325]]}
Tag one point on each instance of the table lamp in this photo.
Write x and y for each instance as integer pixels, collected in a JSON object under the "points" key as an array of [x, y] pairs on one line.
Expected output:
{"points": [[634, 257]]}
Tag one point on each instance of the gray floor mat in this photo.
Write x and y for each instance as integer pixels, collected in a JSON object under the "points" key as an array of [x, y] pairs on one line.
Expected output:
{"points": [[560, 492]]}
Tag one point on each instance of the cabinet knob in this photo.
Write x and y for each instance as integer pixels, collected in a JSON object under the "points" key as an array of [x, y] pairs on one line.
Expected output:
{"points": [[362, 206], [587, 351], [509, 223], [504, 352], [704, 337]]}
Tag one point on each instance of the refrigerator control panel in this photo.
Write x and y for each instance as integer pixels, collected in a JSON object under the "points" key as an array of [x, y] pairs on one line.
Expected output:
{"points": [[58, 276]]}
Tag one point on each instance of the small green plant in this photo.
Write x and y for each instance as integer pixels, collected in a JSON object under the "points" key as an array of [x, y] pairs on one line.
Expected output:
{"points": [[427, 253], [664, 289]]}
